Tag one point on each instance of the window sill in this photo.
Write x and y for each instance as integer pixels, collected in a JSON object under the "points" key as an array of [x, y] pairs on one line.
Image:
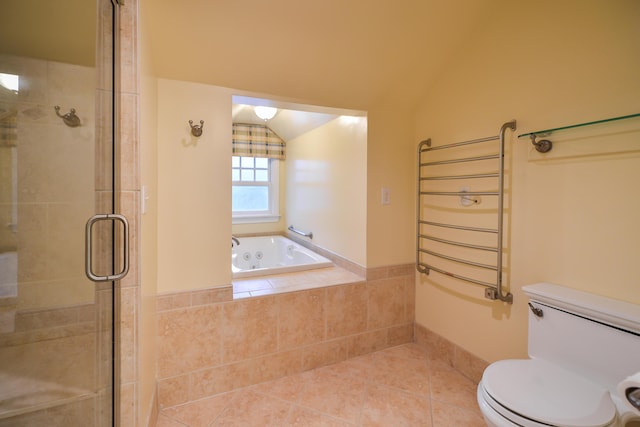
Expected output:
{"points": [[255, 219]]}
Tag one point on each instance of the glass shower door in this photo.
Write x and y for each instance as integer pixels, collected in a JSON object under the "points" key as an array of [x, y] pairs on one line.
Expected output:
{"points": [[56, 172]]}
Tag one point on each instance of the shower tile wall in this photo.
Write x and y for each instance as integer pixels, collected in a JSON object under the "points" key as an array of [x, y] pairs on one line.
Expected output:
{"points": [[128, 182], [46, 207], [47, 333], [205, 348]]}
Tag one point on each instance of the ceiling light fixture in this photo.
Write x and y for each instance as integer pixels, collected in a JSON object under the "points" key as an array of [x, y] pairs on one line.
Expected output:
{"points": [[265, 113]]}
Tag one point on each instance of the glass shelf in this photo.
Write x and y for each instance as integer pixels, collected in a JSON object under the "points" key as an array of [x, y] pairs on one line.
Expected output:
{"points": [[548, 132]]}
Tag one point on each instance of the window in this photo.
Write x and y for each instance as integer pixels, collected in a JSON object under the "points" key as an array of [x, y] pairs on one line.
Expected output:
{"points": [[254, 191]]}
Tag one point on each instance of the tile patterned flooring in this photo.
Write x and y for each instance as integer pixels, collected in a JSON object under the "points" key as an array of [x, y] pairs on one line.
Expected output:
{"points": [[398, 386]]}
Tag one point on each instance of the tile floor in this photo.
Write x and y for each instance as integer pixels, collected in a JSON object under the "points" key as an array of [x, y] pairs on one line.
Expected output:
{"points": [[394, 387]]}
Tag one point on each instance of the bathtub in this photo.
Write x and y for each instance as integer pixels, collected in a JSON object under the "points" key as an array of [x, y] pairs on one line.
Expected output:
{"points": [[259, 256]]}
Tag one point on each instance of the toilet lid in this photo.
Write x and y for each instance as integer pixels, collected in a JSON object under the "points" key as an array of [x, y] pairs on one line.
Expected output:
{"points": [[549, 394]]}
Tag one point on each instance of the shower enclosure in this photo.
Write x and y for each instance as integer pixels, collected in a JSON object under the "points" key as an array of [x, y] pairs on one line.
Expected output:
{"points": [[56, 172]]}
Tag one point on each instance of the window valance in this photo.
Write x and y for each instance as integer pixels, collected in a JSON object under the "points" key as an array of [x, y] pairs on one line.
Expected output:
{"points": [[252, 140]]}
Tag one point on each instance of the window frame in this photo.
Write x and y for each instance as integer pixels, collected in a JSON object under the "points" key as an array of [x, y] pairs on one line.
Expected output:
{"points": [[272, 214]]}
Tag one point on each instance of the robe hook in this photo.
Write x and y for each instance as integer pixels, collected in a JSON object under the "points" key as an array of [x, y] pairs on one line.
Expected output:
{"points": [[70, 119], [196, 130]]}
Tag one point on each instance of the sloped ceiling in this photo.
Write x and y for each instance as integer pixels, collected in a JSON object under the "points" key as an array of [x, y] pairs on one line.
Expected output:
{"points": [[287, 123], [56, 31], [338, 53]]}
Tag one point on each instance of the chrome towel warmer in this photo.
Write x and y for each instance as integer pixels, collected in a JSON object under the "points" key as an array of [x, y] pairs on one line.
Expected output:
{"points": [[427, 230]]}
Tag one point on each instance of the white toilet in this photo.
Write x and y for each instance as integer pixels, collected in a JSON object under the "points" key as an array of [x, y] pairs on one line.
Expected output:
{"points": [[581, 346]]}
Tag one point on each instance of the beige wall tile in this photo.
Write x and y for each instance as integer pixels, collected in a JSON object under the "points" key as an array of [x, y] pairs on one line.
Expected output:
{"points": [[402, 334], [249, 328], [367, 342], [301, 319], [410, 299], [173, 301], [87, 313], [220, 379], [128, 322], [128, 404], [189, 339], [199, 413], [469, 365], [65, 256], [402, 270], [67, 361], [377, 273], [32, 263], [76, 413], [386, 303], [346, 310], [277, 365], [213, 295], [129, 207], [173, 391], [437, 347], [38, 319], [103, 146], [129, 144], [324, 353], [44, 152], [264, 338], [129, 73]]}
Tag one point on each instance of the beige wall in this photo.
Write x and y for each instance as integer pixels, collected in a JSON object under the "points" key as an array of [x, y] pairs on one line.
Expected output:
{"points": [[390, 164], [194, 186], [326, 186], [573, 219]]}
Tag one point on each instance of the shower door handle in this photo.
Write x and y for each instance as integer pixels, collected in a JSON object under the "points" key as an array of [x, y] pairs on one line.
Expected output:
{"points": [[89, 252]]}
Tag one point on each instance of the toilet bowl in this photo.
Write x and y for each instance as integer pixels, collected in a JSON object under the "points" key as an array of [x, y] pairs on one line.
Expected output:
{"points": [[580, 346], [537, 393]]}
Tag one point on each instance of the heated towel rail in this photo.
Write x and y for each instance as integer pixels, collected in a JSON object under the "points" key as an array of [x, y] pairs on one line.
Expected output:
{"points": [[466, 237]]}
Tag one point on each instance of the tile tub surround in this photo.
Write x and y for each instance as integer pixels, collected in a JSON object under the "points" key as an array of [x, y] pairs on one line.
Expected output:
{"points": [[207, 347], [398, 386], [280, 283]]}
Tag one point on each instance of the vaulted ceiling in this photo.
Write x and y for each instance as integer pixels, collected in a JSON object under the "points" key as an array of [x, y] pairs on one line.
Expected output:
{"points": [[338, 53]]}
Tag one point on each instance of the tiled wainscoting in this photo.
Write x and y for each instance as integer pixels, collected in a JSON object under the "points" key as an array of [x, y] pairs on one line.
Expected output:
{"points": [[440, 348], [209, 343]]}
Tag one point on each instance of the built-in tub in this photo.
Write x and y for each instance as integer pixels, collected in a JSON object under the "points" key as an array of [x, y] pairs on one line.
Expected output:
{"points": [[265, 255]]}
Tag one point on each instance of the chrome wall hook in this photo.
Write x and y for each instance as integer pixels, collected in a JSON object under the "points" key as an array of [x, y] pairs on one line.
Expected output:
{"points": [[196, 130], [542, 146], [70, 119]]}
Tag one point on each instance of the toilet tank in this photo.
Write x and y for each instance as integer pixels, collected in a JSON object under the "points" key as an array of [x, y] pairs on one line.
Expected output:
{"points": [[594, 336]]}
